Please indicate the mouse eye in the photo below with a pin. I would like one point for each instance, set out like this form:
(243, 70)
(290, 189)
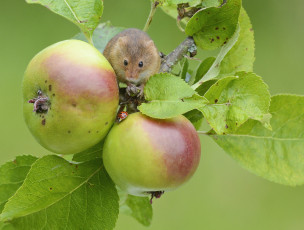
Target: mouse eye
(140, 64)
(125, 62)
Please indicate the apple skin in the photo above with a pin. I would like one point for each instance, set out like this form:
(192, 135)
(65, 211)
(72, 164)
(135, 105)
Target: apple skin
(144, 155)
(82, 90)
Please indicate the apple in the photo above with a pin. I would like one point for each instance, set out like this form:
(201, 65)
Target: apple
(70, 97)
(146, 156)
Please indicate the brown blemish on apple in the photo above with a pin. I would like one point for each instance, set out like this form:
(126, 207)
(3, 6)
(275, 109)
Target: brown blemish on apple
(43, 122)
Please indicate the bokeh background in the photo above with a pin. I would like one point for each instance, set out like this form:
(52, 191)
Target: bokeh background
(221, 195)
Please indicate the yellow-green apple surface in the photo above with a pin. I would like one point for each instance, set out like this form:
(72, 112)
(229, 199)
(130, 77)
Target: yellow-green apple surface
(146, 156)
(70, 97)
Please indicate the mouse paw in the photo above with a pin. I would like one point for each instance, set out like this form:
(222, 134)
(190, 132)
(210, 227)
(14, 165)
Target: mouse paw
(141, 92)
(132, 90)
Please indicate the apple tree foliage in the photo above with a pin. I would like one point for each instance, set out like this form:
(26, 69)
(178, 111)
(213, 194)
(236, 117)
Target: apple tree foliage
(263, 133)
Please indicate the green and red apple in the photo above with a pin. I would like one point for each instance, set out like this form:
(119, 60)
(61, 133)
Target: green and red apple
(70, 97)
(145, 156)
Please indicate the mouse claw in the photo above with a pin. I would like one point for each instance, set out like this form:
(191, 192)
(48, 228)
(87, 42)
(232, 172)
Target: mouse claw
(132, 90)
(141, 92)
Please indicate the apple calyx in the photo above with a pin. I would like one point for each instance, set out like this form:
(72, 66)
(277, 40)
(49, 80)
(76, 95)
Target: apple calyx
(41, 103)
(156, 194)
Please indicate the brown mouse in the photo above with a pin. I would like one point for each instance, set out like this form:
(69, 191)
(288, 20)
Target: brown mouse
(133, 56)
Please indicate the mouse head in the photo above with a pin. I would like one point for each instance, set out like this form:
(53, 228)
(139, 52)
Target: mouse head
(137, 59)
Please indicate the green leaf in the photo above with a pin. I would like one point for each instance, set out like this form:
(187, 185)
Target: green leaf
(276, 155)
(235, 100)
(213, 27)
(85, 14)
(203, 88)
(59, 194)
(195, 117)
(169, 96)
(241, 55)
(6, 226)
(163, 109)
(214, 70)
(12, 175)
(165, 86)
(102, 35)
(139, 208)
(184, 69)
(202, 69)
(92, 153)
(170, 6)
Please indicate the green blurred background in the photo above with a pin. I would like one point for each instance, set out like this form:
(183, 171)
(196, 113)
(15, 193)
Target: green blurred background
(221, 195)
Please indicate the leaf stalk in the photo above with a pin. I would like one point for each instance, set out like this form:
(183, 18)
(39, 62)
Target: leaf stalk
(154, 5)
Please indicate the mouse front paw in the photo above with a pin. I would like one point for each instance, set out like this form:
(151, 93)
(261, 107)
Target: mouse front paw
(132, 90)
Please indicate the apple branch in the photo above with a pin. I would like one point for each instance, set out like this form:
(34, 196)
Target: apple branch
(188, 45)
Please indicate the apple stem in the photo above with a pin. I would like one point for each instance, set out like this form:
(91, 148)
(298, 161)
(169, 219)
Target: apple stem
(156, 194)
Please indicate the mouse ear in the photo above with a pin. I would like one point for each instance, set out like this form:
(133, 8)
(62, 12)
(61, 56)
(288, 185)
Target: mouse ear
(150, 43)
(122, 40)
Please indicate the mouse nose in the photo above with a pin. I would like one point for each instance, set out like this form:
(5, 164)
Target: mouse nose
(131, 75)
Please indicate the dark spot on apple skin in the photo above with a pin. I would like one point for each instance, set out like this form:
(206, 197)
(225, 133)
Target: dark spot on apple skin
(45, 81)
(97, 131)
(226, 126)
(54, 94)
(216, 28)
(50, 87)
(224, 43)
(76, 166)
(74, 104)
(224, 28)
(43, 122)
(216, 100)
(69, 131)
(89, 131)
(218, 37)
(42, 116)
(106, 123)
(51, 189)
(212, 40)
